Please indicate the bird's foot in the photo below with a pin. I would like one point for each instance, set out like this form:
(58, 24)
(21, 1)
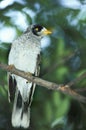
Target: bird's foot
(11, 66)
(29, 74)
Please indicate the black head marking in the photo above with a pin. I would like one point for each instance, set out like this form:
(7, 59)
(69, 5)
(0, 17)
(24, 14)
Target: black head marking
(36, 29)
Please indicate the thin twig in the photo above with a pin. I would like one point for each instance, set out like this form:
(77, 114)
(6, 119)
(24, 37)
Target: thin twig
(78, 79)
(55, 64)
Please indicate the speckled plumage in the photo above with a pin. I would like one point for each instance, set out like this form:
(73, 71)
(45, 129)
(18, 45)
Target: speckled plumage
(24, 55)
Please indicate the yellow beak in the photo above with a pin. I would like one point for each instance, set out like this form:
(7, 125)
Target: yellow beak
(46, 32)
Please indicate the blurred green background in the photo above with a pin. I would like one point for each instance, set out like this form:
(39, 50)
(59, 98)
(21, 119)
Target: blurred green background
(63, 59)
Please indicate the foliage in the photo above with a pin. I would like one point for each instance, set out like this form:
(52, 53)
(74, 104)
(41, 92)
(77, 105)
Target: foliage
(49, 110)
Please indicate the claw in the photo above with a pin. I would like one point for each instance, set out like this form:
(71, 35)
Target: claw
(11, 66)
(29, 74)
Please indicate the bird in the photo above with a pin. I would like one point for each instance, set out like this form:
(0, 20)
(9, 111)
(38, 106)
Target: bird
(24, 55)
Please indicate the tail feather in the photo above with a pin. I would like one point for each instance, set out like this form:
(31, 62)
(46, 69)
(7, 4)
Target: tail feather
(25, 119)
(17, 110)
(21, 112)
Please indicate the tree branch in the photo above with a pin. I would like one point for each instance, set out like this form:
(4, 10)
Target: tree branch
(49, 85)
(77, 79)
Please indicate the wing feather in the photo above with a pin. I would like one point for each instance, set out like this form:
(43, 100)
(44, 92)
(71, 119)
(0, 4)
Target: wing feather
(12, 87)
(37, 71)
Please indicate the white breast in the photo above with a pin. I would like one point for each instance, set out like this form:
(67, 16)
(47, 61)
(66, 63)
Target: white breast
(24, 57)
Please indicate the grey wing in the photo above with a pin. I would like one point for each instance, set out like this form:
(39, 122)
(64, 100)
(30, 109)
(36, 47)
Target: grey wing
(37, 72)
(11, 87)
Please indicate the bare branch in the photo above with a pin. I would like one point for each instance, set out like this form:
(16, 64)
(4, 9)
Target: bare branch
(49, 85)
(77, 79)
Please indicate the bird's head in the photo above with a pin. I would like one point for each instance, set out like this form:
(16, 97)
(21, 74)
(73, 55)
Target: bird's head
(39, 30)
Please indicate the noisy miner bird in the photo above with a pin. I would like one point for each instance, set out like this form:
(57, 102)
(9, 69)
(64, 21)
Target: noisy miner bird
(25, 56)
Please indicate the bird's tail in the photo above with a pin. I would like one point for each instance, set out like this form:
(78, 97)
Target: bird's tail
(21, 112)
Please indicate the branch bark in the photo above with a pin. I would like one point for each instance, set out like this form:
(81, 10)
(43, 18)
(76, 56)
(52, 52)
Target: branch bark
(49, 85)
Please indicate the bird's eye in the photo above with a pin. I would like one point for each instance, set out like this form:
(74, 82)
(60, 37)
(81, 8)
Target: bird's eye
(36, 29)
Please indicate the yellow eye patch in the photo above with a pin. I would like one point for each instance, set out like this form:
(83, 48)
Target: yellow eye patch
(36, 29)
